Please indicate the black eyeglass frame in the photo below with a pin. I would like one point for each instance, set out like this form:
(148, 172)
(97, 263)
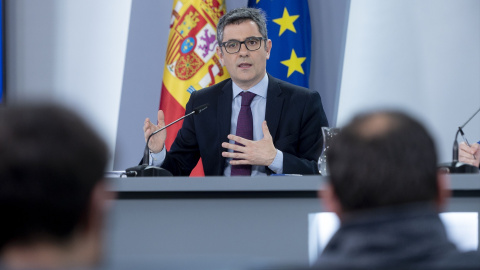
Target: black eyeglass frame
(245, 44)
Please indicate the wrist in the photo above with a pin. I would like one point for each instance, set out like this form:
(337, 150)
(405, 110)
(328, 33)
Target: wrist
(154, 151)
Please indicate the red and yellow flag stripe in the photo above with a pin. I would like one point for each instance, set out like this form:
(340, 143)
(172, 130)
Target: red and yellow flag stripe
(191, 62)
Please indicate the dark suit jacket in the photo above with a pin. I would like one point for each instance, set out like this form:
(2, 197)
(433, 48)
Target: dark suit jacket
(294, 117)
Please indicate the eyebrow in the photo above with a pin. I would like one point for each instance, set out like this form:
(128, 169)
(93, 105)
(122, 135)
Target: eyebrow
(243, 40)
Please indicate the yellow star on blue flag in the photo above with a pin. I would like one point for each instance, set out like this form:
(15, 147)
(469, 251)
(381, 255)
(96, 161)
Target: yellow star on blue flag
(288, 26)
(294, 63)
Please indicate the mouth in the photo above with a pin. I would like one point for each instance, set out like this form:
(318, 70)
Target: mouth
(244, 65)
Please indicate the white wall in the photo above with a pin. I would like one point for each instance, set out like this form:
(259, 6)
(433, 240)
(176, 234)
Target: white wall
(419, 56)
(72, 52)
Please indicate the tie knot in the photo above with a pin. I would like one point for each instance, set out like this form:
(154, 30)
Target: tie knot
(247, 98)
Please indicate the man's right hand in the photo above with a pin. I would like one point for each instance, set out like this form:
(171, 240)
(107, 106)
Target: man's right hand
(157, 142)
(469, 155)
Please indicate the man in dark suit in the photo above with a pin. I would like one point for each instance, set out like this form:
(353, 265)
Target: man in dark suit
(286, 119)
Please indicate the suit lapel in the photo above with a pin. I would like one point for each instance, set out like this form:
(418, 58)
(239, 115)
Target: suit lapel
(274, 107)
(224, 113)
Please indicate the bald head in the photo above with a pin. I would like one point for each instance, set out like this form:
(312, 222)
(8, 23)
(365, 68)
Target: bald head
(382, 158)
(376, 125)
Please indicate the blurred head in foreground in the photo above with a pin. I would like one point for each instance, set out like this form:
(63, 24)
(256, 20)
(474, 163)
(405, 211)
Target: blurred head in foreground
(52, 193)
(384, 187)
(382, 159)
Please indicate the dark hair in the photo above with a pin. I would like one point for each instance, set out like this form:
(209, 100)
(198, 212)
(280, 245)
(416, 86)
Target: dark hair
(380, 159)
(50, 161)
(239, 15)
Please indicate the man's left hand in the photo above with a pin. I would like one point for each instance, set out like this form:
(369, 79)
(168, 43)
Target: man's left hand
(260, 152)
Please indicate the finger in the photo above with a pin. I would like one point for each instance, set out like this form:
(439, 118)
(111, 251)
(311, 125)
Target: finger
(239, 139)
(475, 147)
(464, 152)
(466, 149)
(239, 162)
(464, 155)
(234, 147)
(235, 155)
(146, 124)
(266, 131)
(469, 150)
(463, 147)
(161, 118)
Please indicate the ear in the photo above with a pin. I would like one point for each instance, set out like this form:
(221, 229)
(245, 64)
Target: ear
(444, 192)
(220, 55)
(101, 201)
(89, 237)
(330, 199)
(268, 47)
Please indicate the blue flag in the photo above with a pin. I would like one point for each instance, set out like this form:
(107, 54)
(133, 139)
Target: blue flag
(288, 25)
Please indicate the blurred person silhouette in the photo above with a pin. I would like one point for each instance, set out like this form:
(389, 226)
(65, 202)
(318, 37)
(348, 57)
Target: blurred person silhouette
(386, 191)
(53, 197)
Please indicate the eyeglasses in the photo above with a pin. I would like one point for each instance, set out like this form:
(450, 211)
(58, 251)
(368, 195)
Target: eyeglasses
(251, 43)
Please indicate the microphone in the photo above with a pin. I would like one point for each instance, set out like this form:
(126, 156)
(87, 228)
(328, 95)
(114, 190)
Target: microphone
(145, 169)
(455, 166)
(196, 110)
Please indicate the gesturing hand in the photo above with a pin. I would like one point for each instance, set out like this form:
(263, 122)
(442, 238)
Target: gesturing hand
(157, 142)
(469, 155)
(260, 152)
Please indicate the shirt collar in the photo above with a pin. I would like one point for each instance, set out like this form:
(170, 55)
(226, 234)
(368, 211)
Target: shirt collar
(260, 89)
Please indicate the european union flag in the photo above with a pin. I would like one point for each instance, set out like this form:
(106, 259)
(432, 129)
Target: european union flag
(288, 25)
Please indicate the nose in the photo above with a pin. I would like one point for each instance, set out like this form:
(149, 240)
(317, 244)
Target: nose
(243, 50)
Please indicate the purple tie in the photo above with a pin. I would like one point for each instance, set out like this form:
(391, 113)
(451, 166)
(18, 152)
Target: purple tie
(244, 130)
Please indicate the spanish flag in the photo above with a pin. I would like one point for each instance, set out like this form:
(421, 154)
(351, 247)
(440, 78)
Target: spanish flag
(191, 63)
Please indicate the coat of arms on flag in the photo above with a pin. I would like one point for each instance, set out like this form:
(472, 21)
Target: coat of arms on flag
(191, 62)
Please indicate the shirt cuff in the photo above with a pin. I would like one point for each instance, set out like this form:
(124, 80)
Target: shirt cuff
(158, 158)
(277, 164)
